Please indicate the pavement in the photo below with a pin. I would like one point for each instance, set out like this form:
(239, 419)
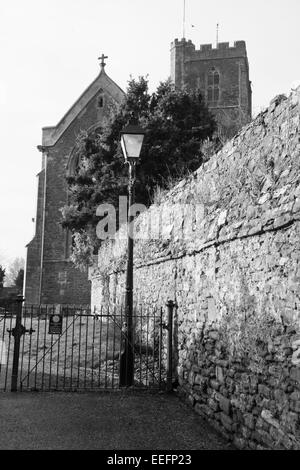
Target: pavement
(106, 421)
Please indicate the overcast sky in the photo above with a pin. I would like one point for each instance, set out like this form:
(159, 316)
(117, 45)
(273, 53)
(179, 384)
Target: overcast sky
(49, 51)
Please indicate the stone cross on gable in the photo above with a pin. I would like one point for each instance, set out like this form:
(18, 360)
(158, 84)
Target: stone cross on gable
(102, 58)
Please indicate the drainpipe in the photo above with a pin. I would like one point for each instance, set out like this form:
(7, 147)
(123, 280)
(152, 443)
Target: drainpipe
(45, 152)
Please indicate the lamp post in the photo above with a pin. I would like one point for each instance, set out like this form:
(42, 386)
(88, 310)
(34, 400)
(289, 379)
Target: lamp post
(132, 137)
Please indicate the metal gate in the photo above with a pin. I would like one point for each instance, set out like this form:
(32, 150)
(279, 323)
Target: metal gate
(56, 347)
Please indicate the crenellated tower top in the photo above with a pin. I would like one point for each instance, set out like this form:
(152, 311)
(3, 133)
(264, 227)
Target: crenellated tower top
(221, 73)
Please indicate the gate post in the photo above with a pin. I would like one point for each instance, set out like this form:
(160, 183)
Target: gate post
(170, 305)
(17, 332)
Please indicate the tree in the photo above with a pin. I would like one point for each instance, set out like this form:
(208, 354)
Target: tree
(13, 271)
(19, 279)
(176, 124)
(2, 276)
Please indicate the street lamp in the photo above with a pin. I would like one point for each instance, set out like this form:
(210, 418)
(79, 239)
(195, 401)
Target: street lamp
(132, 137)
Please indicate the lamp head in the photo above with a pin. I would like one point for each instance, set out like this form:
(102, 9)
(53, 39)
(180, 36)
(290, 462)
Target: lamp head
(132, 137)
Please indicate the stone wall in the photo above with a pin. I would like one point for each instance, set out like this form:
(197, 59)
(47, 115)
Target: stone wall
(224, 244)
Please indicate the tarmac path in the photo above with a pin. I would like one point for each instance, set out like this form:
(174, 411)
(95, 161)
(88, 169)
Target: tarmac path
(106, 421)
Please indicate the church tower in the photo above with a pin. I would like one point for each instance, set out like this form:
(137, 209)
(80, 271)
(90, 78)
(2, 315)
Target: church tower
(50, 275)
(221, 74)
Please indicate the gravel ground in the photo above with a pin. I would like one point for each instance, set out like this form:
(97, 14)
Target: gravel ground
(109, 421)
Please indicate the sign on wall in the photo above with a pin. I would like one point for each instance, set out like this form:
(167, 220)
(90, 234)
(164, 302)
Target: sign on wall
(55, 323)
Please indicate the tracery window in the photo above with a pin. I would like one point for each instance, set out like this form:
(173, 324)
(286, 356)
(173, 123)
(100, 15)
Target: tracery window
(213, 86)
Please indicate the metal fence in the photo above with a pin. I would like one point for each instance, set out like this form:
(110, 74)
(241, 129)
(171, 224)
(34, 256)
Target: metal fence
(55, 347)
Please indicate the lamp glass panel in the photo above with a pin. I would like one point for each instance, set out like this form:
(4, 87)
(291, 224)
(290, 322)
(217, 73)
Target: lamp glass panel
(132, 144)
(123, 148)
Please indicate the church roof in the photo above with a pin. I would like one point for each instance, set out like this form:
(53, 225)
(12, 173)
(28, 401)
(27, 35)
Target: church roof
(52, 134)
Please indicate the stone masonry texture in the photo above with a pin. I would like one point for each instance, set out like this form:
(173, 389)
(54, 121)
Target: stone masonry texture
(224, 245)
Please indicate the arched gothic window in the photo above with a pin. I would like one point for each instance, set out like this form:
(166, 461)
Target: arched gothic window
(74, 157)
(213, 86)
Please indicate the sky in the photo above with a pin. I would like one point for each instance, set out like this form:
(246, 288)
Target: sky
(49, 51)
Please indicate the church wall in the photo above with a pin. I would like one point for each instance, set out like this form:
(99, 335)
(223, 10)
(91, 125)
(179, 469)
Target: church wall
(61, 281)
(232, 107)
(229, 84)
(228, 253)
(63, 284)
(33, 261)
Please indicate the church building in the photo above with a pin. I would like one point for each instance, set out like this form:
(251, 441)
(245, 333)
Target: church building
(50, 275)
(221, 73)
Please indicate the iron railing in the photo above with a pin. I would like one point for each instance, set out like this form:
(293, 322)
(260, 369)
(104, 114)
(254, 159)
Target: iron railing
(84, 353)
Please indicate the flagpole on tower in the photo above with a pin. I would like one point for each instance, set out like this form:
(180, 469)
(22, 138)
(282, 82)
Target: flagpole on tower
(217, 39)
(183, 25)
